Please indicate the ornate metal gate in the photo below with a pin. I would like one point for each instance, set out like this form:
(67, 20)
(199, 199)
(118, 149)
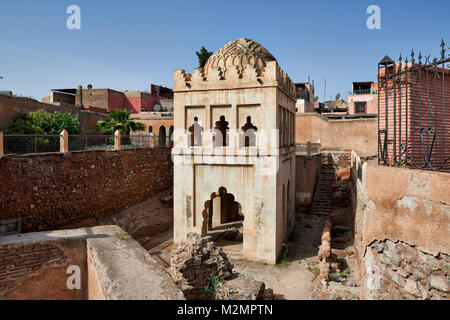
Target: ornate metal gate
(413, 128)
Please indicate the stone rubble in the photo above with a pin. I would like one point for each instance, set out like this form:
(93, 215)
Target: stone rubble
(195, 261)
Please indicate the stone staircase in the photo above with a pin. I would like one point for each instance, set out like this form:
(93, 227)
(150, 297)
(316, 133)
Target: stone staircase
(322, 204)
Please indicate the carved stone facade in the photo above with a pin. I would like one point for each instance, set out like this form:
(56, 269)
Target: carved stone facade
(234, 149)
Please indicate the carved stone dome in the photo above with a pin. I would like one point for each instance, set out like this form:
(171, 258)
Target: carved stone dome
(239, 53)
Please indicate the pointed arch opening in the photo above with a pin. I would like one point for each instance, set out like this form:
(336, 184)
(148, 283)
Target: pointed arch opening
(249, 133)
(223, 219)
(195, 132)
(220, 138)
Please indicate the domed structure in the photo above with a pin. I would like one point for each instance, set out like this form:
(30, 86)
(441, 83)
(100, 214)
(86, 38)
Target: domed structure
(239, 53)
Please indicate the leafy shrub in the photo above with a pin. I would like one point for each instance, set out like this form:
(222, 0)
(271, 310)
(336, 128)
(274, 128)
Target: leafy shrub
(42, 122)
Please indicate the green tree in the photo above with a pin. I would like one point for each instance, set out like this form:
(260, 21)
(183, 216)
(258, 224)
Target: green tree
(42, 122)
(203, 56)
(119, 120)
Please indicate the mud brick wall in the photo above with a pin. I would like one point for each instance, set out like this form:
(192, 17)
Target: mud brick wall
(48, 191)
(38, 270)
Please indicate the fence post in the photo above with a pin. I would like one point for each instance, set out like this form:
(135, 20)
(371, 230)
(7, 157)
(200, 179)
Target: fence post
(64, 141)
(152, 140)
(1, 144)
(117, 140)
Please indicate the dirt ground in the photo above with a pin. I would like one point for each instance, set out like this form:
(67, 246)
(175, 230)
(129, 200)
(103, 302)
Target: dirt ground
(292, 279)
(151, 224)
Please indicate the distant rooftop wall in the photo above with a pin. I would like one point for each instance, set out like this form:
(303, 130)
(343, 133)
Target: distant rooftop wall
(359, 135)
(11, 108)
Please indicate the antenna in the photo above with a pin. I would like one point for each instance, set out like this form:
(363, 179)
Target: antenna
(325, 90)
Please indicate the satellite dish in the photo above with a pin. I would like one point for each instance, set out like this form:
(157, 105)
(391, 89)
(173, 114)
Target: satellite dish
(157, 107)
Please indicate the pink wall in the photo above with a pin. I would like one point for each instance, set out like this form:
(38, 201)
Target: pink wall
(116, 101)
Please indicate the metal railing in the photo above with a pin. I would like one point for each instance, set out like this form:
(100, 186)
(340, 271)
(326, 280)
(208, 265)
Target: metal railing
(307, 148)
(364, 91)
(413, 128)
(91, 142)
(22, 143)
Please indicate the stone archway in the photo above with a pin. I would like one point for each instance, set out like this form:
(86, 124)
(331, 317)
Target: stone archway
(223, 218)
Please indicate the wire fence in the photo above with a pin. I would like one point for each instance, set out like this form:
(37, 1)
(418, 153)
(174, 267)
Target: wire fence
(21, 143)
(90, 142)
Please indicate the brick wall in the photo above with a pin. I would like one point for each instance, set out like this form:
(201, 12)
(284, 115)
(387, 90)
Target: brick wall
(37, 268)
(51, 190)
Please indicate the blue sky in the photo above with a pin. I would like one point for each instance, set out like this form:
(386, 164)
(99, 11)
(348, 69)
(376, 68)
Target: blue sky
(126, 45)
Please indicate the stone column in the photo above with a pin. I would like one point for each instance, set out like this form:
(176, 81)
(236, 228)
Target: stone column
(117, 140)
(152, 140)
(64, 141)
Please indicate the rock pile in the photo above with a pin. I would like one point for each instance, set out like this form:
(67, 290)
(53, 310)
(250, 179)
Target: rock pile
(193, 262)
(202, 271)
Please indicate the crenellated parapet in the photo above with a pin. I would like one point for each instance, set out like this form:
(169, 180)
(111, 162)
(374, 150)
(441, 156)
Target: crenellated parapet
(234, 77)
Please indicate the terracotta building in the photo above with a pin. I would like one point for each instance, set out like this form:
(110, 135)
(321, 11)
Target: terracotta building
(363, 98)
(104, 100)
(234, 149)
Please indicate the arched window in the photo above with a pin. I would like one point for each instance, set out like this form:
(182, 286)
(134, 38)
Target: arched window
(249, 133)
(220, 138)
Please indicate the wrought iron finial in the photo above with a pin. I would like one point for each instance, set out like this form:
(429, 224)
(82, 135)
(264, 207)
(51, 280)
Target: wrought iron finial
(400, 58)
(412, 56)
(420, 57)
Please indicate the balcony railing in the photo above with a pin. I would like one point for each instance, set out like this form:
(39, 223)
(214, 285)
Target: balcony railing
(364, 91)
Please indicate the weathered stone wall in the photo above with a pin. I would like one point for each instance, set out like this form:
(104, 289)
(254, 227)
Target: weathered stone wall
(307, 172)
(406, 272)
(401, 231)
(48, 191)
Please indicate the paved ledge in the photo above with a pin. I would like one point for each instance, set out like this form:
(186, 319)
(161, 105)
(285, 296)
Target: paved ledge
(123, 270)
(43, 236)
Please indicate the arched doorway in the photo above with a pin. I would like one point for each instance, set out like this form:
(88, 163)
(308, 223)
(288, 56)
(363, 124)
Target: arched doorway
(162, 136)
(223, 219)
